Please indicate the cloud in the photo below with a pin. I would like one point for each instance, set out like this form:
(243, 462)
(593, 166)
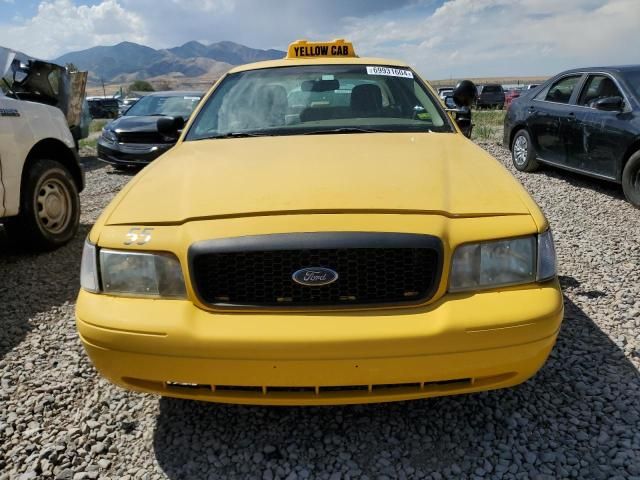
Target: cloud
(59, 26)
(451, 38)
(62, 25)
(505, 37)
(251, 22)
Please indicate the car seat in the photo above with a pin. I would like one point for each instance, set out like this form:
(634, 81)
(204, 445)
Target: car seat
(366, 100)
(271, 105)
(607, 88)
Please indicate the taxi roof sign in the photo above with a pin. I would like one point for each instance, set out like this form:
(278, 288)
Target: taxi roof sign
(335, 48)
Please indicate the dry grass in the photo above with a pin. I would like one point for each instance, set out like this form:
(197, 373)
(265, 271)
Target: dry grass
(97, 125)
(488, 125)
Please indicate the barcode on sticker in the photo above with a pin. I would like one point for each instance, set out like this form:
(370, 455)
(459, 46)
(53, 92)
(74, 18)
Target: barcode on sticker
(390, 72)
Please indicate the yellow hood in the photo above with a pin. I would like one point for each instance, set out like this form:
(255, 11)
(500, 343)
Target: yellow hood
(380, 172)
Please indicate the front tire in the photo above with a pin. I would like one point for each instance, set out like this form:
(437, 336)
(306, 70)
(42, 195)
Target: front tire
(631, 180)
(523, 154)
(49, 207)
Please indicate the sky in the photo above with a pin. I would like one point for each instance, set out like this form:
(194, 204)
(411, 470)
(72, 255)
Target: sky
(441, 38)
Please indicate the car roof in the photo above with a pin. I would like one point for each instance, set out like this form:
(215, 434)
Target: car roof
(612, 68)
(293, 62)
(175, 93)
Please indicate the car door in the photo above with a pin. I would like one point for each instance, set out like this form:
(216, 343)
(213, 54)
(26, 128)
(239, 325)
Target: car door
(600, 138)
(547, 118)
(7, 116)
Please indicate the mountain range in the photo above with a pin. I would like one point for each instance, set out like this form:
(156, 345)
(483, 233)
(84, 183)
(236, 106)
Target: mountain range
(128, 61)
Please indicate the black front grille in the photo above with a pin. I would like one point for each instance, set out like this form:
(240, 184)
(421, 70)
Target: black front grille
(141, 137)
(373, 268)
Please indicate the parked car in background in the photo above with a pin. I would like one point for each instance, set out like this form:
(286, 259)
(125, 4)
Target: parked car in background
(134, 139)
(586, 120)
(510, 96)
(444, 92)
(41, 121)
(531, 86)
(103, 107)
(126, 104)
(490, 96)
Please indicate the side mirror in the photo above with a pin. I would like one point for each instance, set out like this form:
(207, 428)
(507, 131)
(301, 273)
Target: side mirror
(449, 102)
(170, 126)
(463, 120)
(609, 104)
(462, 115)
(465, 93)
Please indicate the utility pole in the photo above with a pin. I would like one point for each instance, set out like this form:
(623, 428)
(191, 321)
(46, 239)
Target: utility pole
(104, 93)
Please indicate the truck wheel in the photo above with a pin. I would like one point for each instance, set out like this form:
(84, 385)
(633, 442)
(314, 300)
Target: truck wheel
(49, 207)
(631, 179)
(523, 154)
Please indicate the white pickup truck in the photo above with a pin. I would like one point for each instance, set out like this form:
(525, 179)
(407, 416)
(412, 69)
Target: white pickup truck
(40, 174)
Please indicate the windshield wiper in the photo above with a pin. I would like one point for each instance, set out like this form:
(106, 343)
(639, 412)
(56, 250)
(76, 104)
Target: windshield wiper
(346, 130)
(235, 135)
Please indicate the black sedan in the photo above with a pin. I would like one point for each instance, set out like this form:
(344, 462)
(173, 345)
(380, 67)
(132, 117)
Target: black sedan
(586, 120)
(133, 139)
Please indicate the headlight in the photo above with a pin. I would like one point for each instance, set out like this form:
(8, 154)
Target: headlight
(141, 274)
(129, 273)
(492, 264)
(547, 268)
(89, 268)
(109, 136)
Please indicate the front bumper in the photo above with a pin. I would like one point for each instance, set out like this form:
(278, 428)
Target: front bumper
(462, 343)
(130, 154)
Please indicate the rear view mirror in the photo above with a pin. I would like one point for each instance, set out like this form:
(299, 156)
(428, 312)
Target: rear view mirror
(609, 104)
(465, 93)
(320, 85)
(170, 126)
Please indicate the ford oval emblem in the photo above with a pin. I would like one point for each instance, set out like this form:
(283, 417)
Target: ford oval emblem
(315, 276)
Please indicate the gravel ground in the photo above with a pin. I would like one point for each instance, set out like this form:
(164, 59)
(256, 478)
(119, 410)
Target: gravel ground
(578, 418)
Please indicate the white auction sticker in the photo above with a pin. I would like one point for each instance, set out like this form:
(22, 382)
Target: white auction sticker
(389, 72)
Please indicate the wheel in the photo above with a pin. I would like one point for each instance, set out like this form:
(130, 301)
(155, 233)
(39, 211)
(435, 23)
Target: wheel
(49, 207)
(631, 179)
(523, 154)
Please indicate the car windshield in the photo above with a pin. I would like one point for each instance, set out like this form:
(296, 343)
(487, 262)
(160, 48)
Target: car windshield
(632, 78)
(316, 99)
(170, 105)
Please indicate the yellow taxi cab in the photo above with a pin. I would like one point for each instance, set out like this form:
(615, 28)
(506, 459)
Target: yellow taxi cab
(322, 233)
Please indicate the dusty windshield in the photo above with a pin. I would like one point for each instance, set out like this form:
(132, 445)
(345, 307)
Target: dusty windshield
(319, 99)
(171, 105)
